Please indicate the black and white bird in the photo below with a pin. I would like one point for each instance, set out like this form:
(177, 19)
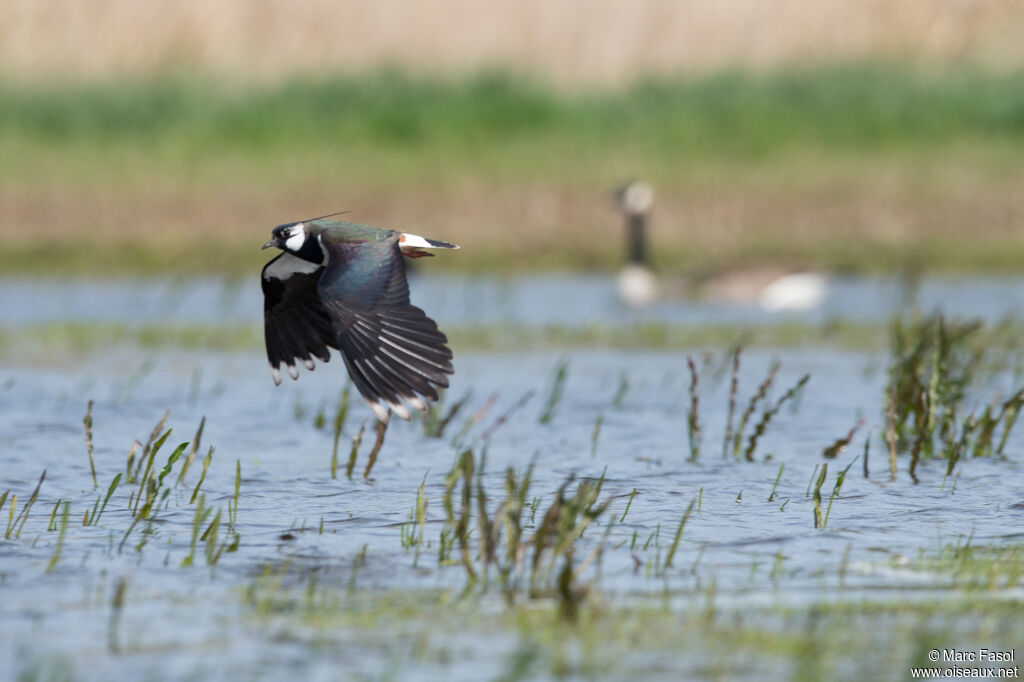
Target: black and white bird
(342, 285)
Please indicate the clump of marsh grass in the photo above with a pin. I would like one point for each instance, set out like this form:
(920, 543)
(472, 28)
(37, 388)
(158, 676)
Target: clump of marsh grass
(821, 518)
(769, 413)
(759, 394)
(153, 490)
(734, 436)
(736, 431)
(935, 366)
(148, 486)
(485, 538)
(213, 547)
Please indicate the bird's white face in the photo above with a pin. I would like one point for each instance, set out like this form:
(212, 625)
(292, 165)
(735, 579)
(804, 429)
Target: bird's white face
(293, 236)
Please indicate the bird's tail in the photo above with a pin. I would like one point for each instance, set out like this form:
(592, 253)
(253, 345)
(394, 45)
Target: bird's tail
(412, 245)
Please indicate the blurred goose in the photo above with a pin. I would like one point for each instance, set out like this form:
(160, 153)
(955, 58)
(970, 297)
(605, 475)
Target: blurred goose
(637, 283)
(342, 285)
(773, 289)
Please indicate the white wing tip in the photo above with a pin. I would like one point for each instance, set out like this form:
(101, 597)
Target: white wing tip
(275, 374)
(417, 402)
(308, 362)
(400, 409)
(380, 411)
(293, 372)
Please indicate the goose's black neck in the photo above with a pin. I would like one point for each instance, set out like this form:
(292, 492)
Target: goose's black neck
(635, 230)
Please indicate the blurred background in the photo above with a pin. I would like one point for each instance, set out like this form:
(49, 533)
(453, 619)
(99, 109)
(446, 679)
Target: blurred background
(853, 135)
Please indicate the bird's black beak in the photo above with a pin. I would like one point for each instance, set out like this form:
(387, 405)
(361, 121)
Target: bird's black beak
(272, 242)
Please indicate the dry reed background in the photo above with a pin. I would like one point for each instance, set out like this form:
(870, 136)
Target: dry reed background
(570, 41)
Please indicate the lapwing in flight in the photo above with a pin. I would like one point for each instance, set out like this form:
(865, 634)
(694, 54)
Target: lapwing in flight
(342, 285)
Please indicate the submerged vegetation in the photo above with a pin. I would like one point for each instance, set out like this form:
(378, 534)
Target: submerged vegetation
(152, 494)
(595, 554)
(932, 402)
(525, 563)
(703, 639)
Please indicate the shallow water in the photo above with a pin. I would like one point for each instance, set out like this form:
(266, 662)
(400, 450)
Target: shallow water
(755, 551)
(481, 300)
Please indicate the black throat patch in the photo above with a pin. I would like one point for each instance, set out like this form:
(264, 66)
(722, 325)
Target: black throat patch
(311, 250)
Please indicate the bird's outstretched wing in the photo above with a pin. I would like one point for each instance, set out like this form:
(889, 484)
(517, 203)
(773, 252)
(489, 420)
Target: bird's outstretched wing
(393, 351)
(295, 324)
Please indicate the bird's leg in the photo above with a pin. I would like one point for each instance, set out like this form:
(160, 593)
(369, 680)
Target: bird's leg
(382, 427)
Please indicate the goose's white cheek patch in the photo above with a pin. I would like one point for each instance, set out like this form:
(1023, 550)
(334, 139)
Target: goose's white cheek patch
(295, 242)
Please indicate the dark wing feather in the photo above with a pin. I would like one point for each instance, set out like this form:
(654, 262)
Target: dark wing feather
(295, 324)
(393, 351)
